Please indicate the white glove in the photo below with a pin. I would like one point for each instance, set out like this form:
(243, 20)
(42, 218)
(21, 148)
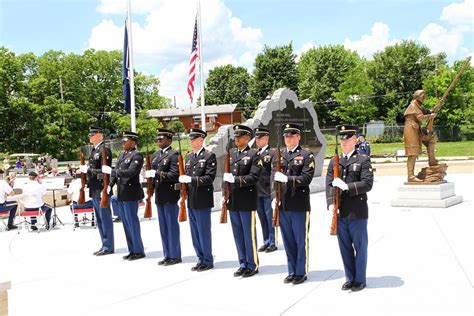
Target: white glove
(331, 208)
(223, 201)
(337, 182)
(82, 169)
(150, 173)
(109, 189)
(184, 179)
(229, 177)
(106, 169)
(274, 204)
(280, 177)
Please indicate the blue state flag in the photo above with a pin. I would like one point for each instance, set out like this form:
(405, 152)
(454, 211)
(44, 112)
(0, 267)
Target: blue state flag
(126, 72)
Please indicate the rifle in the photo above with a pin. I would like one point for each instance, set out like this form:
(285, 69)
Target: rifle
(428, 129)
(278, 187)
(82, 194)
(226, 185)
(333, 230)
(182, 217)
(149, 187)
(105, 196)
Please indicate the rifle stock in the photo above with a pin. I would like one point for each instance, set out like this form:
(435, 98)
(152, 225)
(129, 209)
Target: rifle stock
(182, 216)
(226, 185)
(105, 196)
(428, 130)
(82, 194)
(336, 174)
(149, 188)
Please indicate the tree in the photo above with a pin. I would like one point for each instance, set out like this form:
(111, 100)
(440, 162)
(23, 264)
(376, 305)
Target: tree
(274, 68)
(396, 72)
(176, 126)
(36, 116)
(354, 98)
(227, 85)
(320, 72)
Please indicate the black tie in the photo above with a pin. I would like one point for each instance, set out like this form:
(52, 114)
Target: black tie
(290, 152)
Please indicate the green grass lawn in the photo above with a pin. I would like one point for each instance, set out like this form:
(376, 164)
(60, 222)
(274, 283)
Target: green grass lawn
(445, 149)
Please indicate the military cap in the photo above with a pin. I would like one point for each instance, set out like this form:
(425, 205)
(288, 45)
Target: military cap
(33, 174)
(261, 132)
(163, 133)
(196, 133)
(129, 136)
(346, 131)
(95, 129)
(291, 129)
(241, 130)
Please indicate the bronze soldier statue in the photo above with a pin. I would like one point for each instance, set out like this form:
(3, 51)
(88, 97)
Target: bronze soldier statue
(413, 136)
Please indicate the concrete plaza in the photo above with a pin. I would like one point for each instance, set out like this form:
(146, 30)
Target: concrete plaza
(421, 262)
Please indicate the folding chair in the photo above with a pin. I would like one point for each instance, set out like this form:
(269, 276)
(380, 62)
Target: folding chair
(75, 210)
(28, 214)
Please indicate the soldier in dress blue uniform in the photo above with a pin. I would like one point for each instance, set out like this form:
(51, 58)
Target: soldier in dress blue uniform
(356, 179)
(362, 146)
(297, 172)
(200, 169)
(164, 170)
(264, 202)
(126, 176)
(95, 175)
(245, 167)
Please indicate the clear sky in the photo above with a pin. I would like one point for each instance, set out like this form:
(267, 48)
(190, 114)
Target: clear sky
(234, 31)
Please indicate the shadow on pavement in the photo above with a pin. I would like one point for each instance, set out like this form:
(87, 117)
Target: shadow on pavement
(386, 281)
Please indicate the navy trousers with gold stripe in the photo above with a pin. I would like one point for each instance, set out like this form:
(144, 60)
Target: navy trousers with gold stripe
(243, 228)
(294, 226)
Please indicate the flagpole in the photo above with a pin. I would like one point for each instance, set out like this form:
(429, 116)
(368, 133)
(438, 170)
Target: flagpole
(203, 103)
(131, 74)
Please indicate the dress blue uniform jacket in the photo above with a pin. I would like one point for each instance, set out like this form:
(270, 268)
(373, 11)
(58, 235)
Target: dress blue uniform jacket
(202, 170)
(127, 176)
(166, 177)
(94, 172)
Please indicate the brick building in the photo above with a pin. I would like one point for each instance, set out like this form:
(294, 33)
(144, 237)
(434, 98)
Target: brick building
(216, 115)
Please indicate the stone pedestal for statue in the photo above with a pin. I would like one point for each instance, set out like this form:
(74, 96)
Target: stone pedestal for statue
(424, 194)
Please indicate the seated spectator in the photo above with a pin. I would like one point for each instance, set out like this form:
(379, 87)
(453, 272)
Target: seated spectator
(73, 191)
(35, 190)
(7, 206)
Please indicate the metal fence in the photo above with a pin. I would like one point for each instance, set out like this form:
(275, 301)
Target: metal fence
(380, 132)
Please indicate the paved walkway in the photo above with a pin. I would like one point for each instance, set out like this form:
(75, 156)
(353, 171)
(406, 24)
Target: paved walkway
(420, 263)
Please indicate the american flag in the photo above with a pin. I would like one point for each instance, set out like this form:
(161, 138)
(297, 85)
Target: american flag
(192, 62)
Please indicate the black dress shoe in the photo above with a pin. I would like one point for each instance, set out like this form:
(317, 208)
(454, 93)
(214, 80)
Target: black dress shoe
(171, 262)
(263, 248)
(346, 286)
(298, 279)
(289, 279)
(96, 252)
(248, 273)
(357, 286)
(136, 256)
(196, 267)
(117, 220)
(204, 267)
(127, 256)
(162, 262)
(239, 272)
(34, 228)
(104, 253)
(10, 227)
(271, 248)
